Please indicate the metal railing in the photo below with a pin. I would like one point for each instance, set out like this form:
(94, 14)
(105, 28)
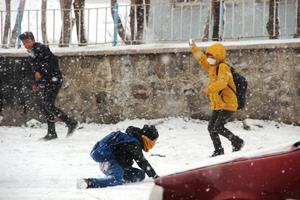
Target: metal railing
(167, 22)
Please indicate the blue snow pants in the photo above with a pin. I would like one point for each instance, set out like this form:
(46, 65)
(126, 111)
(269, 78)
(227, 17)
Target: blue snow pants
(116, 175)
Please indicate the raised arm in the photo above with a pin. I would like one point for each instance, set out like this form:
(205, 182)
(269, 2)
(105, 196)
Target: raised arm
(199, 55)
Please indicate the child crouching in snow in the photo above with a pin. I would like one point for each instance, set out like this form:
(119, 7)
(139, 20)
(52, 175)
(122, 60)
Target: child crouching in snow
(116, 154)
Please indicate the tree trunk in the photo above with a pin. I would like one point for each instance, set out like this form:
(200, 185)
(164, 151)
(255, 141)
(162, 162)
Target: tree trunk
(298, 20)
(19, 17)
(132, 19)
(66, 28)
(206, 29)
(216, 19)
(79, 18)
(143, 9)
(138, 10)
(148, 4)
(6, 24)
(121, 29)
(44, 22)
(273, 23)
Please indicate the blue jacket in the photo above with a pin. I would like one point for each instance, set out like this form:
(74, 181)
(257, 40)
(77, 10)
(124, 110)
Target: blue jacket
(125, 149)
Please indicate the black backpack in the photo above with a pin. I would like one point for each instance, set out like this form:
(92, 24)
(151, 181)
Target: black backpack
(240, 84)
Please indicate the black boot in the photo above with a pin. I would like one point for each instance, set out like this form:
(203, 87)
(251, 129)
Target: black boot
(237, 144)
(51, 131)
(72, 125)
(50, 136)
(218, 152)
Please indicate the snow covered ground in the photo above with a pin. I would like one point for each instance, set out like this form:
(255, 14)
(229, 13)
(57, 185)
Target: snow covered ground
(32, 169)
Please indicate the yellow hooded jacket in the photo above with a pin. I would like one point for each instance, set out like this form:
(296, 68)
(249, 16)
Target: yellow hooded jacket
(227, 99)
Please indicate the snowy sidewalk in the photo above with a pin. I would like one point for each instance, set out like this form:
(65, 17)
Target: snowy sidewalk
(32, 169)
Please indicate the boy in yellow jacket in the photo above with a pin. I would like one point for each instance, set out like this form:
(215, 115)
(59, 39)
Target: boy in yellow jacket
(222, 98)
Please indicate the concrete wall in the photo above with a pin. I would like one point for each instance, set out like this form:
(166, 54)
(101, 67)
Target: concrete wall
(112, 84)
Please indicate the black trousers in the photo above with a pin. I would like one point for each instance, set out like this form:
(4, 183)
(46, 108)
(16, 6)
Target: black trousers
(216, 127)
(48, 106)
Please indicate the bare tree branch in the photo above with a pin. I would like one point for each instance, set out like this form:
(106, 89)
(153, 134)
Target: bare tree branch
(67, 24)
(6, 24)
(44, 22)
(216, 19)
(79, 18)
(298, 20)
(273, 23)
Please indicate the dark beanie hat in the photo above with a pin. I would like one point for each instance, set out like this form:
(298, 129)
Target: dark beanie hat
(133, 130)
(150, 131)
(26, 35)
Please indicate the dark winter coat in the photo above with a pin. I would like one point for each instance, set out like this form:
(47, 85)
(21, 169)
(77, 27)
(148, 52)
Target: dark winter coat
(42, 60)
(126, 153)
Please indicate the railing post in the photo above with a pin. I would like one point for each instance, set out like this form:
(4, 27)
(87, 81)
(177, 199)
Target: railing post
(19, 28)
(37, 25)
(1, 27)
(53, 27)
(105, 26)
(232, 19)
(116, 22)
(97, 10)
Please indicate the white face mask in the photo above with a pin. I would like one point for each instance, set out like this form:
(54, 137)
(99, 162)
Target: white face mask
(211, 61)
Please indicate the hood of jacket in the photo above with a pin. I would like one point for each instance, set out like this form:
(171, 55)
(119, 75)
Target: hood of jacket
(218, 51)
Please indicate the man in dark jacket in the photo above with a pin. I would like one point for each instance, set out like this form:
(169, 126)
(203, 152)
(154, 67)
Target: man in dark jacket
(125, 149)
(48, 77)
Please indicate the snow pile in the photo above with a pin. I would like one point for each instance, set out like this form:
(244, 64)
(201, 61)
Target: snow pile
(32, 169)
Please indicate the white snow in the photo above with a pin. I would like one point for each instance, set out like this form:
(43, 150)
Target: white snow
(37, 170)
(32, 169)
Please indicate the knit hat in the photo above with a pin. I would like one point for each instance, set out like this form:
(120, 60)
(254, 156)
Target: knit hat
(133, 130)
(26, 35)
(150, 131)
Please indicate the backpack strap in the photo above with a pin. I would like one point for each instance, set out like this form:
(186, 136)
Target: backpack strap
(120, 138)
(231, 70)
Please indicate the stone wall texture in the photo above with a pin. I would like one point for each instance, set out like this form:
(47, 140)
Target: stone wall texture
(107, 86)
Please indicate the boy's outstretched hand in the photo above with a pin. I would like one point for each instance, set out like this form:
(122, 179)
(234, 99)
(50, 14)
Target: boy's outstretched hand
(197, 53)
(192, 43)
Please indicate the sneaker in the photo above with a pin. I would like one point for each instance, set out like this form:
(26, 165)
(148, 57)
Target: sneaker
(72, 127)
(49, 136)
(238, 145)
(218, 152)
(82, 183)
